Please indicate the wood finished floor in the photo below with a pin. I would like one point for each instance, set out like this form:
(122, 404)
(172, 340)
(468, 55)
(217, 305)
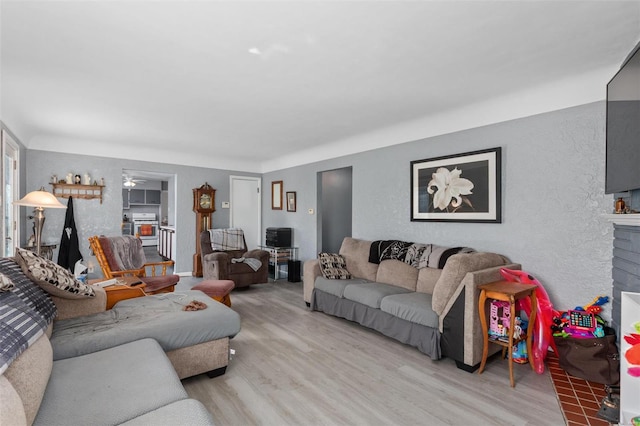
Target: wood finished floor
(297, 367)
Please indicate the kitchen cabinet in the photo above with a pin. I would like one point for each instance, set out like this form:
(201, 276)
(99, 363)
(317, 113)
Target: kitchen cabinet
(141, 197)
(152, 196)
(136, 196)
(127, 228)
(166, 242)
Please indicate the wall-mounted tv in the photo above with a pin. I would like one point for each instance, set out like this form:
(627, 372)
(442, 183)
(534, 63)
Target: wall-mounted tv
(623, 127)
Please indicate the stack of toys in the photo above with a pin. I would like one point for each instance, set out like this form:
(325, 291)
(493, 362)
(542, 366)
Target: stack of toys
(582, 322)
(499, 323)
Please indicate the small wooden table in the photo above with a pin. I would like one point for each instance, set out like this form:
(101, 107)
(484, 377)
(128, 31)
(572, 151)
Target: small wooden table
(507, 292)
(118, 292)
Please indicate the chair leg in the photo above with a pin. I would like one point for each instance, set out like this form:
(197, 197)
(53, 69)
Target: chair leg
(225, 300)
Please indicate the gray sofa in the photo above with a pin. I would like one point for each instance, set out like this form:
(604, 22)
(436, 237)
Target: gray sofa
(121, 366)
(434, 310)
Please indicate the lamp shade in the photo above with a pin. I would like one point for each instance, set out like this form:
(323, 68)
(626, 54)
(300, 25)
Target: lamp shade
(40, 198)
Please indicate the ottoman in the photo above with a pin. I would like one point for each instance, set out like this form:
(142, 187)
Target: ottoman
(217, 289)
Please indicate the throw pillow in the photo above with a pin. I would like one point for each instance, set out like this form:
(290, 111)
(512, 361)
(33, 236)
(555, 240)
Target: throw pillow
(5, 283)
(51, 277)
(333, 266)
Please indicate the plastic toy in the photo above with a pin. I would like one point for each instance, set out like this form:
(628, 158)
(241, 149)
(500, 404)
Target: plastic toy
(517, 329)
(499, 318)
(520, 352)
(599, 331)
(541, 329)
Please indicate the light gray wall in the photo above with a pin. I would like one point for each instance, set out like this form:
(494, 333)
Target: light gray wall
(553, 168)
(93, 218)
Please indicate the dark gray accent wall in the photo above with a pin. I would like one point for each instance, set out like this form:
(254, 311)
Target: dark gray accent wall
(335, 208)
(553, 172)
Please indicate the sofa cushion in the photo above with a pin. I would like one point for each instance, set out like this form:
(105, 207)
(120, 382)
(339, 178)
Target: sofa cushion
(333, 266)
(336, 287)
(397, 273)
(371, 294)
(111, 386)
(185, 412)
(159, 316)
(454, 271)
(412, 307)
(427, 279)
(356, 254)
(53, 278)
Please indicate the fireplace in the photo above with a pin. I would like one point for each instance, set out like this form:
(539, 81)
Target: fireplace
(626, 260)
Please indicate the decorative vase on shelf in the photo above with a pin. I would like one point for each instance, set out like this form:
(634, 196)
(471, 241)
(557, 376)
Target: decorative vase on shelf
(620, 205)
(86, 179)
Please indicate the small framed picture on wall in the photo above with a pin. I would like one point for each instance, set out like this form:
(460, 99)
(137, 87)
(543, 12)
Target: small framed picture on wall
(276, 195)
(291, 201)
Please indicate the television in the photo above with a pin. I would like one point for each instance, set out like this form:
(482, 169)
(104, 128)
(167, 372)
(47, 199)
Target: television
(623, 127)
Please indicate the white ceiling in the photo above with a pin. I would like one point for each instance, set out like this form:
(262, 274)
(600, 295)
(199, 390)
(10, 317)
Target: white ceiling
(264, 85)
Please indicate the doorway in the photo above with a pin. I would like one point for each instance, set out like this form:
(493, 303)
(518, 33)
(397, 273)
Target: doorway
(11, 191)
(245, 206)
(148, 197)
(335, 194)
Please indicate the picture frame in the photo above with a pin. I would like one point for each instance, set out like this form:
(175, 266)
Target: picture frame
(276, 195)
(476, 193)
(291, 201)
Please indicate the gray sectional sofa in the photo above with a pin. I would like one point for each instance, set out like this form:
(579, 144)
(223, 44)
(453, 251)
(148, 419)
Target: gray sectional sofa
(433, 309)
(121, 366)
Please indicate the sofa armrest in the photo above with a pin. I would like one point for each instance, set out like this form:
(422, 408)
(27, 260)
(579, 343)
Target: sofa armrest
(469, 292)
(70, 308)
(311, 271)
(261, 255)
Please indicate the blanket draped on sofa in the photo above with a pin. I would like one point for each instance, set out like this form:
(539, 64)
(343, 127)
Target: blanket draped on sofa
(417, 255)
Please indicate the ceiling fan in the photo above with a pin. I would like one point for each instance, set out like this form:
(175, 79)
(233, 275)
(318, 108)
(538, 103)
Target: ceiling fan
(130, 182)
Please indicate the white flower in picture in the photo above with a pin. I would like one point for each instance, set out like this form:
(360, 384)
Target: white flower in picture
(449, 188)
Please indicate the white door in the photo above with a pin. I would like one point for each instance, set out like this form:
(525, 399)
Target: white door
(245, 208)
(10, 153)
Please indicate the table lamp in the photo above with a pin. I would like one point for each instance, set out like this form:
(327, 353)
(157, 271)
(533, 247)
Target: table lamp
(40, 199)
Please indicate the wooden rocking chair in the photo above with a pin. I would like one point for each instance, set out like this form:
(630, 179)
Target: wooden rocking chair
(157, 282)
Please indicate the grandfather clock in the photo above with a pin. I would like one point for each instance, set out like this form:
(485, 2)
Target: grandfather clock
(203, 204)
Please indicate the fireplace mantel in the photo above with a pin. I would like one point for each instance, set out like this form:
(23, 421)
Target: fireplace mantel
(624, 219)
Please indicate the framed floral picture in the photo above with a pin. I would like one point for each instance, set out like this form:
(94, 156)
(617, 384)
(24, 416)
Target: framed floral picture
(458, 188)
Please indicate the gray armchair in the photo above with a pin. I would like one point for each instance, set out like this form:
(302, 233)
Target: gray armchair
(217, 265)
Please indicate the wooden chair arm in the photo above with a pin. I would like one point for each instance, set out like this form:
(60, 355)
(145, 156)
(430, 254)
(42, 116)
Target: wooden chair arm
(128, 273)
(165, 264)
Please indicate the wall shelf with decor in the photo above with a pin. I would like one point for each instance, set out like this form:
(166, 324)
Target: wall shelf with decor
(87, 192)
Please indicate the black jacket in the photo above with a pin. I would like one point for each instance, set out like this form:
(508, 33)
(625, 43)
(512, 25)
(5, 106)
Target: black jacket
(69, 247)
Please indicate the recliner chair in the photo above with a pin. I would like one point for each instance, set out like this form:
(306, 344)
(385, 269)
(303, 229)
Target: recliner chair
(218, 265)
